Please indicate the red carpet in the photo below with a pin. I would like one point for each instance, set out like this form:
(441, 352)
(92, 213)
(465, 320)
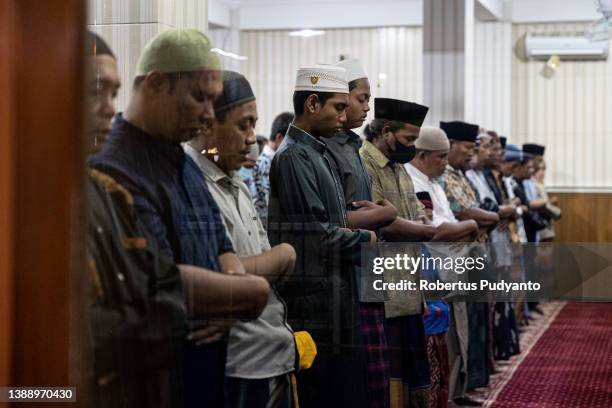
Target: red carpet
(569, 366)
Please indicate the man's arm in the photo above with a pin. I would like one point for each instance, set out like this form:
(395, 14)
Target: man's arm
(483, 218)
(455, 231)
(272, 265)
(371, 216)
(217, 295)
(537, 204)
(405, 230)
(230, 264)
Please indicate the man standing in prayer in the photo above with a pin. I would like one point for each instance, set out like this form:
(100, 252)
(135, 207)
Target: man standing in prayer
(138, 317)
(177, 79)
(390, 144)
(362, 213)
(307, 209)
(432, 147)
(261, 353)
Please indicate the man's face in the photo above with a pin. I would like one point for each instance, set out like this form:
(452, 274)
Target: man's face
(187, 104)
(436, 162)
(461, 154)
(233, 136)
(406, 135)
(498, 154)
(102, 89)
(508, 167)
(484, 150)
(328, 119)
(358, 106)
(524, 171)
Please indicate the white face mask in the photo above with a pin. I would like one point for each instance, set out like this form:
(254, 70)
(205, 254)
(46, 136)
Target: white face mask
(253, 152)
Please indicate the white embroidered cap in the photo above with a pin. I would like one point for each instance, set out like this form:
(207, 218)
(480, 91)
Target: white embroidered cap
(322, 78)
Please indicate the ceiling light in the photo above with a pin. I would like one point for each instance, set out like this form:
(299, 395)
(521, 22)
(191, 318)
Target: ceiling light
(229, 54)
(306, 33)
(382, 76)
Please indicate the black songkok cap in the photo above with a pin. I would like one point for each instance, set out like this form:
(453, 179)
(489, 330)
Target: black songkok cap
(534, 149)
(402, 111)
(97, 46)
(236, 91)
(464, 132)
(503, 140)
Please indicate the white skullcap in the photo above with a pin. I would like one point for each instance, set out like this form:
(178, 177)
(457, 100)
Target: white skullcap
(322, 78)
(354, 70)
(432, 139)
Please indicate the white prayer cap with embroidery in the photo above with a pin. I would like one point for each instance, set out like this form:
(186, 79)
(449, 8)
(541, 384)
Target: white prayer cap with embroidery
(322, 78)
(354, 70)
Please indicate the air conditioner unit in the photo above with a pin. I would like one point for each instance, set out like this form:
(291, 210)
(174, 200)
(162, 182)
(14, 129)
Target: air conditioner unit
(542, 47)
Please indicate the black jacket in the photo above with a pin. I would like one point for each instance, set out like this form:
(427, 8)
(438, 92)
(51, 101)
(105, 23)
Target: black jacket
(137, 314)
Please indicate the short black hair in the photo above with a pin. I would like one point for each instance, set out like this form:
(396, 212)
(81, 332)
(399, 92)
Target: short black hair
(281, 124)
(299, 99)
(375, 127)
(97, 46)
(353, 84)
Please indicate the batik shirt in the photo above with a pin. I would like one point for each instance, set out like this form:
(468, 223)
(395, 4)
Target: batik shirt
(458, 190)
(260, 187)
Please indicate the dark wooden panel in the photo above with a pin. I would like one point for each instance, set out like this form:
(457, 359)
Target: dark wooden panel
(587, 217)
(7, 36)
(48, 179)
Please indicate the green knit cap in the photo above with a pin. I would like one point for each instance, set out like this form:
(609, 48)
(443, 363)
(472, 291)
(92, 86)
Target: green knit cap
(181, 50)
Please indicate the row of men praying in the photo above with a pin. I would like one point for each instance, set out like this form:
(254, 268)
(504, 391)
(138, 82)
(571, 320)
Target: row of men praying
(208, 292)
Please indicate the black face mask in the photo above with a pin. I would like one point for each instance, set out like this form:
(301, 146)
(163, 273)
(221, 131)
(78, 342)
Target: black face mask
(402, 154)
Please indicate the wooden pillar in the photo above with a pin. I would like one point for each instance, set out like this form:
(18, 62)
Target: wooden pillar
(41, 179)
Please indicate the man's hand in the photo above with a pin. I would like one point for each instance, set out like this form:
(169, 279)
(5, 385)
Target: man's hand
(424, 219)
(365, 205)
(211, 331)
(506, 211)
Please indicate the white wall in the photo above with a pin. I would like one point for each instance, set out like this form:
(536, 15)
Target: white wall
(128, 26)
(571, 113)
(491, 100)
(279, 15)
(274, 58)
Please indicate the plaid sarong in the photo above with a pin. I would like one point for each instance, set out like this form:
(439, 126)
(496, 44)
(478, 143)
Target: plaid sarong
(377, 353)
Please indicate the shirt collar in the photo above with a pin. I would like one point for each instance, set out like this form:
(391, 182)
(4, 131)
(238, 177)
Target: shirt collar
(345, 137)
(418, 174)
(211, 170)
(340, 138)
(303, 137)
(379, 158)
(125, 132)
(451, 169)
